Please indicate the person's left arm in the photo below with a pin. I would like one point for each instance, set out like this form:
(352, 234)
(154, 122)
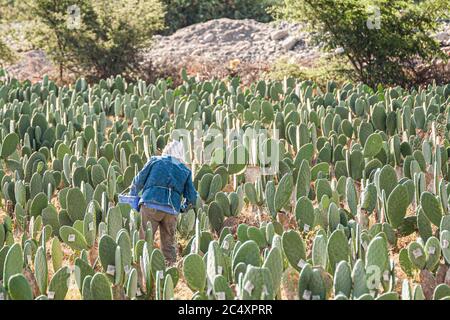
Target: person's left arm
(139, 181)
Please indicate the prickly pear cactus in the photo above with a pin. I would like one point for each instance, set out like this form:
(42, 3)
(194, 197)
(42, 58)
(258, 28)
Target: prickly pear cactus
(73, 238)
(216, 216)
(106, 251)
(294, 249)
(319, 251)
(194, 271)
(343, 279)
(373, 145)
(417, 256)
(337, 249)
(359, 279)
(304, 213)
(9, 145)
(168, 290)
(13, 263)
(257, 284)
(100, 288)
(445, 245)
(59, 284)
(311, 284)
(76, 204)
(397, 204)
(82, 270)
(247, 253)
(132, 284)
(221, 289)
(283, 192)
(56, 254)
(19, 288)
(274, 263)
(215, 261)
(41, 270)
(431, 207)
(433, 253)
(377, 262)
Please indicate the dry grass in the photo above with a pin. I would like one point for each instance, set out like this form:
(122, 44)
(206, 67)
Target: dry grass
(182, 291)
(205, 69)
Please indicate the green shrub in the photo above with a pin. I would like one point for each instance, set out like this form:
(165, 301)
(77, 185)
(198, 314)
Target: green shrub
(95, 37)
(6, 53)
(50, 30)
(384, 50)
(126, 27)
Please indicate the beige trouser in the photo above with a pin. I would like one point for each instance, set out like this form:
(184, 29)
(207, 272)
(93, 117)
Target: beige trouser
(167, 224)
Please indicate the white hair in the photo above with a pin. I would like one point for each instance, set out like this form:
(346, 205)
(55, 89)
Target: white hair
(174, 149)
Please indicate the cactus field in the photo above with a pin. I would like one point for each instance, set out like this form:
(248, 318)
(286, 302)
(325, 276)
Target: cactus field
(353, 204)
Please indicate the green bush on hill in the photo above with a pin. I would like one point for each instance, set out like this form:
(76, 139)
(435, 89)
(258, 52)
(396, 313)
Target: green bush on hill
(98, 38)
(383, 40)
(6, 54)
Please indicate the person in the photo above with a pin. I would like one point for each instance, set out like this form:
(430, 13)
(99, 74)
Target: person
(164, 180)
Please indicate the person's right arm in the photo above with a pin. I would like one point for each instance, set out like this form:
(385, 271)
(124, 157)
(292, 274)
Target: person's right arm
(139, 181)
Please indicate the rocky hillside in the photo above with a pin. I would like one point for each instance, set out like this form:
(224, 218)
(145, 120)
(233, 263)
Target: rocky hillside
(226, 39)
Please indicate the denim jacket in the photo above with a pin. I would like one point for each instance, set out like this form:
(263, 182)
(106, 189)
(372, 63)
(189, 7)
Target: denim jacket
(164, 180)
